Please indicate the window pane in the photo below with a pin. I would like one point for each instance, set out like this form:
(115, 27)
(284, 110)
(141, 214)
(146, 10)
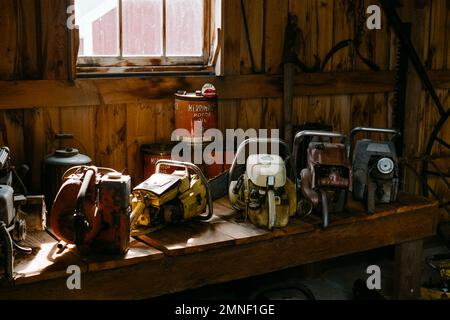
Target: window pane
(98, 22)
(142, 27)
(184, 27)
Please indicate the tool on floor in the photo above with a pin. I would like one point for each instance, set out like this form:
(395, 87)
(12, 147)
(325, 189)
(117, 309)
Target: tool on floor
(441, 264)
(265, 192)
(92, 210)
(170, 198)
(12, 226)
(375, 168)
(325, 182)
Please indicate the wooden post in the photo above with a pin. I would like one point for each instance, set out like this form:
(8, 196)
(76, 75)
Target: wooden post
(289, 71)
(231, 59)
(54, 40)
(412, 13)
(292, 38)
(408, 270)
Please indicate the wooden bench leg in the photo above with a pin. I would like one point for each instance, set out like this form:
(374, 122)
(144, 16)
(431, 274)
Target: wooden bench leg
(408, 270)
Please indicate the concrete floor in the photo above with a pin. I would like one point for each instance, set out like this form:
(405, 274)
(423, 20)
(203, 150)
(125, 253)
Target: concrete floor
(330, 280)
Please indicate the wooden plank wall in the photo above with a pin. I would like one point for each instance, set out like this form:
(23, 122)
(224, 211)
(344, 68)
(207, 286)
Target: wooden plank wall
(34, 45)
(437, 57)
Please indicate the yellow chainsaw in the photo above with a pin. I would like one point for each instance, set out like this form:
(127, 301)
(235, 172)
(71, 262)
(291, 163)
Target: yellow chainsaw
(260, 185)
(170, 198)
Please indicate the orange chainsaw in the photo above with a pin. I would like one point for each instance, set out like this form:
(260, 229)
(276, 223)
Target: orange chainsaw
(92, 210)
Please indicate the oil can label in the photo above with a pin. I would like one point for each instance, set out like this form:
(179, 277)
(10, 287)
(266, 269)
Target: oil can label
(188, 112)
(196, 108)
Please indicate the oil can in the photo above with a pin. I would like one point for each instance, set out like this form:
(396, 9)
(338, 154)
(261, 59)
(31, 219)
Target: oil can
(193, 107)
(152, 153)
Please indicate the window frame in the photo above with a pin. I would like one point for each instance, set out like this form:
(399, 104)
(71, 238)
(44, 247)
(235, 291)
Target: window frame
(130, 64)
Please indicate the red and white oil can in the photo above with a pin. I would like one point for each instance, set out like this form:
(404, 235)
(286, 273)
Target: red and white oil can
(199, 106)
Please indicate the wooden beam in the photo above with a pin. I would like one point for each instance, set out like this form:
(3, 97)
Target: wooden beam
(335, 83)
(47, 93)
(88, 92)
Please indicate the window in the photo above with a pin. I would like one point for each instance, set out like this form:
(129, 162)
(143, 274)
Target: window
(131, 34)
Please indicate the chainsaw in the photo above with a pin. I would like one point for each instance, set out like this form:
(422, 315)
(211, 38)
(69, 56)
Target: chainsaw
(92, 210)
(12, 226)
(264, 192)
(170, 198)
(375, 168)
(325, 182)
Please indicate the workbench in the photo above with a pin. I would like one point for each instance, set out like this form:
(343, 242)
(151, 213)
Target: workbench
(196, 254)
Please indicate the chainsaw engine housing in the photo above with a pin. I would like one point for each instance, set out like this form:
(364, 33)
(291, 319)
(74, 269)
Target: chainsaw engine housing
(326, 179)
(375, 163)
(328, 171)
(264, 192)
(12, 225)
(329, 165)
(7, 210)
(97, 218)
(375, 168)
(257, 188)
(170, 198)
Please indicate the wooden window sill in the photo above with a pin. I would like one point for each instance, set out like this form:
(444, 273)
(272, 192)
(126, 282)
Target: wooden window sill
(127, 72)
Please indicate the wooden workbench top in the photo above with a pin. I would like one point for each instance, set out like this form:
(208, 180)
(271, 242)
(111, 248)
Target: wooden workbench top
(228, 228)
(225, 235)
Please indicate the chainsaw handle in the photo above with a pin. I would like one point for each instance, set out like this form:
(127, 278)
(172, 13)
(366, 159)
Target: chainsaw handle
(80, 221)
(315, 133)
(78, 169)
(8, 251)
(242, 146)
(172, 163)
(88, 176)
(357, 130)
(196, 169)
(4, 156)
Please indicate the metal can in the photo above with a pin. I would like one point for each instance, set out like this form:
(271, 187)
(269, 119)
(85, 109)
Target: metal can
(193, 107)
(196, 151)
(152, 153)
(55, 166)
